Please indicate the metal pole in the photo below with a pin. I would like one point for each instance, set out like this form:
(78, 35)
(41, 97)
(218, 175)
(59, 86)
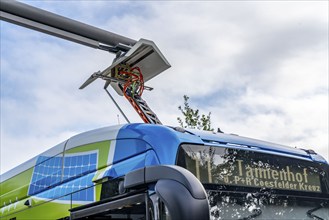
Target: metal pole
(116, 104)
(42, 17)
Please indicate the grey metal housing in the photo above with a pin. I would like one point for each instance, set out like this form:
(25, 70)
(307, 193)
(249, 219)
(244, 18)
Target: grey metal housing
(59, 26)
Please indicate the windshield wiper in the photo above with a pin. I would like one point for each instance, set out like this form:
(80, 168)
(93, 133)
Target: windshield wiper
(256, 212)
(310, 212)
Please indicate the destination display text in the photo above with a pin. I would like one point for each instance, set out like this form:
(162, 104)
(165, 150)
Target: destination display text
(286, 178)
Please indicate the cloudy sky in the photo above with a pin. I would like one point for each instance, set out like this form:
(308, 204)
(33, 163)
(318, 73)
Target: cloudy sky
(260, 68)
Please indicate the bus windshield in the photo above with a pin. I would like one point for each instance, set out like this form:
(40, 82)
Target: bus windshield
(244, 184)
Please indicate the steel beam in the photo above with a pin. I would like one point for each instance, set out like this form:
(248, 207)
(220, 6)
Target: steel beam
(59, 26)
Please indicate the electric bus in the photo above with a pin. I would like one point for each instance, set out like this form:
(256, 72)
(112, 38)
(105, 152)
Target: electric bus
(147, 171)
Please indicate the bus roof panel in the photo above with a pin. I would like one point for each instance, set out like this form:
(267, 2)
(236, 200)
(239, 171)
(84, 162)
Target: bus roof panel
(93, 136)
(249, 142)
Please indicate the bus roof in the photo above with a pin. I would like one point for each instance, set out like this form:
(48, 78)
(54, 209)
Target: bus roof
(233, 140)
(156, 134)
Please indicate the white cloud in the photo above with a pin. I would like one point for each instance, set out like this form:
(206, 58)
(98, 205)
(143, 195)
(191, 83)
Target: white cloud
(261, 68)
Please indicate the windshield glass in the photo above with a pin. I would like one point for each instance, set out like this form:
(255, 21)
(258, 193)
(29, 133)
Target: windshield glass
(265, 206)
(243, 184)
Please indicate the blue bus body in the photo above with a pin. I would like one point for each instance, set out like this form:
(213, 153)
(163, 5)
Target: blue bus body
(75, 171)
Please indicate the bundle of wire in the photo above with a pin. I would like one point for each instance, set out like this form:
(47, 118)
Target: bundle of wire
(134, 84)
